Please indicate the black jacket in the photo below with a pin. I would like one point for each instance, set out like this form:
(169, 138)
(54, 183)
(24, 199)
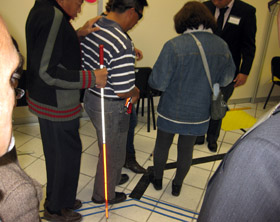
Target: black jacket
(53, 63)
(240, 37)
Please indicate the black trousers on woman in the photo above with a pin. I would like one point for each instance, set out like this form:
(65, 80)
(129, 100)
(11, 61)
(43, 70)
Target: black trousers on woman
(184, 154)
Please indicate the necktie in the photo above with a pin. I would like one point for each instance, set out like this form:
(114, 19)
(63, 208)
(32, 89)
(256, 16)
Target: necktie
(220, 20)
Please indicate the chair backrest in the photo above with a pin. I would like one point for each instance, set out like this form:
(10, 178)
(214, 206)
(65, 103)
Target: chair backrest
(275, 67)
(141, 79)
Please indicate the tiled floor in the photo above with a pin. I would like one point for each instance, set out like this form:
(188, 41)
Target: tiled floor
(154, 205)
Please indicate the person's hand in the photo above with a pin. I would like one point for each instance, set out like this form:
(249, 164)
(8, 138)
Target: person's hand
(136, 95)
(87, 27)
(240, 79)
(100, 77)
(139, 54)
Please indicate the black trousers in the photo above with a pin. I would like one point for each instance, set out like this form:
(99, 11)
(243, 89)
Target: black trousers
(185, 146)
(62, 148)
(215, 125)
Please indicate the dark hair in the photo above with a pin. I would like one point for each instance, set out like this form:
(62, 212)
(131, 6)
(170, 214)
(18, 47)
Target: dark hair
(192, 15)
(122, 5)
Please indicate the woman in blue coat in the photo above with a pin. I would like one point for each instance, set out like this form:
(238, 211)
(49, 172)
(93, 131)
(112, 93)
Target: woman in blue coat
(184, 107)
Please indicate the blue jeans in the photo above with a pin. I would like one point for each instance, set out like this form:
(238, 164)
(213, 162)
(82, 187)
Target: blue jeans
(116, 128)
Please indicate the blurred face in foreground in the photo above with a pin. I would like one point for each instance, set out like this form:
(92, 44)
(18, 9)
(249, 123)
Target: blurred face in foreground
(9, 61)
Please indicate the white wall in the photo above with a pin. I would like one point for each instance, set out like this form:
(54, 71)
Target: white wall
(154, 30)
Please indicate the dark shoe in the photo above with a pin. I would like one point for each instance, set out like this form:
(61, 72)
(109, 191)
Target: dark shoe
(199, 140)
(77, 205)
(212, 146)
(176, 189)
(120, 197)
(124, 179)
(66, 215)
(156, 182)
(134, 166)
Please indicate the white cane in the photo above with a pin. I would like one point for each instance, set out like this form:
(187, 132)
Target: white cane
(101, 61)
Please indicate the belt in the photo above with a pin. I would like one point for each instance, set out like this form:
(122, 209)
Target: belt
(109, 99)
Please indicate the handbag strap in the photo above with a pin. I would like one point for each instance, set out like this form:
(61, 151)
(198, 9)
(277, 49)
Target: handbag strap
(204, 60)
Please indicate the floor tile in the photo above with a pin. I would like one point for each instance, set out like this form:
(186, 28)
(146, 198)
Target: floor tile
(25, 160)
(37, 170)
(21, 138)
(32, 147)
(29, 129)
(88, 164)
(188, 199)
(194, 180)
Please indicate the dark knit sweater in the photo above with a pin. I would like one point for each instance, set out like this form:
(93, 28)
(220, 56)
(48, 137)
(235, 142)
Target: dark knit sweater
(53, 63)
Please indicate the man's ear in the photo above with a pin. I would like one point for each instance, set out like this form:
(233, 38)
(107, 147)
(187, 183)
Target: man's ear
(130, 11)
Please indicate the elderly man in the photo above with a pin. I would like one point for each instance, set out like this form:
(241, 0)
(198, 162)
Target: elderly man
(119, 58)
(54, 81)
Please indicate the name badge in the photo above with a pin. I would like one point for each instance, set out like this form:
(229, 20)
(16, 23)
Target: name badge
(234, 20)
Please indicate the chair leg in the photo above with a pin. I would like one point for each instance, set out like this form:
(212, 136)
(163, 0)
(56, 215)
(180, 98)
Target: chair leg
(137, 107)
(143, 106)
(148, 114)
(268, 96)
(153, 112)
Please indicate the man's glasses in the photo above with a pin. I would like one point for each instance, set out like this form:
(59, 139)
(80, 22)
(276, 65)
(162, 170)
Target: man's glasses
(140, 15)
(19, 93)
(16, 76)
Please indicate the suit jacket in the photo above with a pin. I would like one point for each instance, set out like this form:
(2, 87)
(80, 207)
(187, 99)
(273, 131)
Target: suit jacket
(239, 33)
(19, 194)
(246, 185)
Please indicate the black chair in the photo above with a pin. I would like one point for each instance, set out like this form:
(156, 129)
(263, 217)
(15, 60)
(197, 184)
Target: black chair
(141, 81)
(275, 71)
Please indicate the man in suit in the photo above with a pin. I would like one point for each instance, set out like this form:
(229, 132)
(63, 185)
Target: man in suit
(237, 26)
(245, 186)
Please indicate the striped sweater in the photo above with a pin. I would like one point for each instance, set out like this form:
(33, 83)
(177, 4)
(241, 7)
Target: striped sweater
(53, 63)
(119, 57)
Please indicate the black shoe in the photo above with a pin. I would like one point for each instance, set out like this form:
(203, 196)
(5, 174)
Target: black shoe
(124, 179)
(156, 182)
(134, 166)
(65, 215)
(77, 205)
(199, 140)
(120, 197)
(176, 189)
(212, 146)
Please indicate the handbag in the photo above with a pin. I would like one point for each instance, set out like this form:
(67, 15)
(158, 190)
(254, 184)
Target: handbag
(218, 105)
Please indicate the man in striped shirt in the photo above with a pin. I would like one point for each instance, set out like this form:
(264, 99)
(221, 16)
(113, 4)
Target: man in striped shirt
(119, 59)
